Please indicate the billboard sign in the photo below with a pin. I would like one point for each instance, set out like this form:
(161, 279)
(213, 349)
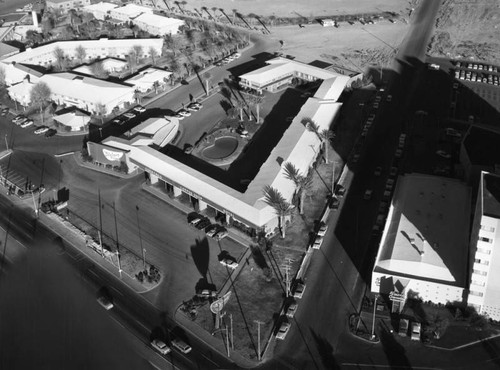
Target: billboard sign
(112, 155)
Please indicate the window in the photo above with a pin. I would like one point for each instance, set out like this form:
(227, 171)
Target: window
(478, 283)
(477, 294)
(487, 240)
(479, 272)
(488, 228)
(484, 250)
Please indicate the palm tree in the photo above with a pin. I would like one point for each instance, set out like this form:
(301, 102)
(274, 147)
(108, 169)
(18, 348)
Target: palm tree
(302, 183)
(273, 198)
(153, 55)
(324, 136)
(207, 76)
(256, 101)
(225, 15)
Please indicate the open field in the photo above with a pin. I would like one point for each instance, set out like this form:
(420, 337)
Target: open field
(290, 8)
(468, 29)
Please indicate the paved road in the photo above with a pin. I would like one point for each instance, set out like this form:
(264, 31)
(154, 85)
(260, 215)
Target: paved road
(319, 336)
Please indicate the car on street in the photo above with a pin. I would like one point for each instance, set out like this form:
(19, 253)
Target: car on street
(368, 194)
(339, 190)
(415, 331)
(317, 242)
(292, 308)
(27, 123)
(322, 229)
(389, 98)
(184, 112)
(139, 109)
(355, 158)
(221, 234)
(206, 293)
(195, 221)
(181, 345)
(203, 224)
(41, 130)
(160, 346)
(118, 121)
(129, 115)
(399, 153)
(452, 132)
(229, 263)
(188, 148)
(105, 302)
(51, 132)
(389, 184)
(193, 108)
(393, 172)
(443, 154)
(299, 290)
(375, 105)
(334, 203)
(5, 111)
(378, 171)
(283, 330)
(18, 118)
(237, 55)
(404, 324)
(179, 116)
(211, 230)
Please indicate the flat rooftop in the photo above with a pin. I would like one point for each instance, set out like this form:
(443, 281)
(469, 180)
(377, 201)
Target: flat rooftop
(426, 235)
(491, 195)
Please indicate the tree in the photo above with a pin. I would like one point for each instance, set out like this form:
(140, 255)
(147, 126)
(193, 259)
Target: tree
(207, 76)
(274, 199)
(324, 136)
(39, 94)
(100, 111)
(255, 101)
(80, 53)
(240, 105)
(99, 71)
(153, 55)
(60, 58)
(131, 61)
(138, 97)
(138, 51)
(302, 183)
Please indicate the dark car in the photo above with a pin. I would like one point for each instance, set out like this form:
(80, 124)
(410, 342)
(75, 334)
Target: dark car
(50, 132)
(203, 224)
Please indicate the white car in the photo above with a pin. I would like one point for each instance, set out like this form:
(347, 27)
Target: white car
(415, 331)
(221, 234)
(229, 263)
(237, 55)
(27, 123)
(214, 229)
(195, 221)
(317, 242)
(160, 346)
(283, 330)
(184, 113)
(41, 130)
(299, 290)
(290, 312)
(18, 119)
(140, 109)
(322, 229)
(181, 345)
(105, 302)
(129, 115)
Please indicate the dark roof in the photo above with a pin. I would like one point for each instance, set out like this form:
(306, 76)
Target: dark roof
(7, 49)
(491, 195)
(483, 147)
(34, 70)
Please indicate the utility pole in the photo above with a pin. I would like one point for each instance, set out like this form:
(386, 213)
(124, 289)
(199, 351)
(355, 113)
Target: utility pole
(227, 343)
(100, 221)
(287, 266)
(373, 321)
(232, 338)
(140, 237)
(333, 177)
(258, 334)
(6, 143)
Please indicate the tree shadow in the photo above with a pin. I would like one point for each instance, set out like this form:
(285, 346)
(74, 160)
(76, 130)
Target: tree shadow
(325, 351)
(258, 257)
(395, 352)
(201, 256)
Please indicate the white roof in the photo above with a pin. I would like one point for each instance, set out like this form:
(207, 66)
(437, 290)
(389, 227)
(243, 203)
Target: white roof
(22, 88)
(132, 10)
(331, 88)
(74, 119)
(87, 89)
(102, 6)
(159, 21)
(282, 67)
(148, 76)
(427, 231)
(109, 64)
(158, 130)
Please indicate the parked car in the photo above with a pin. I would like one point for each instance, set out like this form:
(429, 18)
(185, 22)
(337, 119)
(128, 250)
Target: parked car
(206, 293)
(221, 234)
(317, 242)
(237, 55)
(50, 132)
(322, 229)
(368, 194)
(41, 130)
(389, 98)
(403, 327)
(203, 224)
(292, 308)
(27, 123)
(129, 115)
(452, 132)
(105, 302)
(184, 112)
(443, 154)
(283, 330)
(340, 190)
(181, 345)
(195, 221)
(378, 171)
(415, 331)
(18, 118)
(299, 290)
(160, 346)
(140, 109)
(334, 203)
(229, 263)
(393, 172)
(211, 230)
(5, 111)
(355, 158)
(118, 121)
(193, 108)
(399, 153)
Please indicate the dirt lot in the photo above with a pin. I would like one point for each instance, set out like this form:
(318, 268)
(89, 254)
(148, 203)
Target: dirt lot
(468, 30)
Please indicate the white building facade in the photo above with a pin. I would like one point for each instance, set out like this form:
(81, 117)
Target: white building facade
(99, 10)
(66, 4)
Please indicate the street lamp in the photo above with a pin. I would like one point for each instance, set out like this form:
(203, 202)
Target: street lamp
(227, 338)
(119, 263)
(373, 321)
(100, 131)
